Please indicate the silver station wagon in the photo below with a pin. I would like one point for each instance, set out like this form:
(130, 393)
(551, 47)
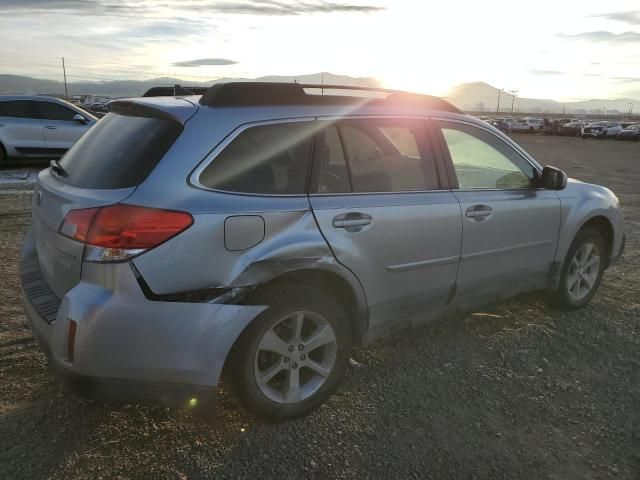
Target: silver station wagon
(265, 229)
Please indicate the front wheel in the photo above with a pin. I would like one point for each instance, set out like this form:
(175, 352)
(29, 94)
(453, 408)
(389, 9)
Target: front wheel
(582, 270)
(293, 356)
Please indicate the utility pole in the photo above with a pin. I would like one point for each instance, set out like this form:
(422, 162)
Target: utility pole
(513, 97)
(498, 106)
(64, 72)
(630, 110)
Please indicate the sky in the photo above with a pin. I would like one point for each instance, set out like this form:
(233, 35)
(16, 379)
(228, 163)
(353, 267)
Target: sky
(564, 50)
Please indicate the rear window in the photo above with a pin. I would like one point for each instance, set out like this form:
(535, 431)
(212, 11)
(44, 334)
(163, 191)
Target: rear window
(267, 159)
(119, 151)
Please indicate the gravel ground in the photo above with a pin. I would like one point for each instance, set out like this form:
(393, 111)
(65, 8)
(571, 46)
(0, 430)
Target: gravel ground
(518, 391)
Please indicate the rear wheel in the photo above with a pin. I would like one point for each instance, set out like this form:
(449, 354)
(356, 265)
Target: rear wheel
(3, 155)
(291, 359)
(582, 270)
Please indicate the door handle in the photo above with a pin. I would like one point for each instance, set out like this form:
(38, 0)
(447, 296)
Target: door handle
(352, 221)
(51, 127)
(479, 212)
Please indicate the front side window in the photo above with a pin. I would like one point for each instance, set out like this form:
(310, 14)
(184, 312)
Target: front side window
(18, 109)
(383, 155)
(482, 161)
(266, 159)
(55, 111)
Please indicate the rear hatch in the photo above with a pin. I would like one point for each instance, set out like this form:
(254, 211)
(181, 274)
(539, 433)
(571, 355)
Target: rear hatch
(103, 168)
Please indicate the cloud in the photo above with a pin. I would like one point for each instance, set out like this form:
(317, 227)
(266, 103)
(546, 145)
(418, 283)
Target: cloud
(80, 7)
(274, 7)
(627, 79)
(631, 17)
(204, 61)
(242, 7)
(547, 72)
(604, 36)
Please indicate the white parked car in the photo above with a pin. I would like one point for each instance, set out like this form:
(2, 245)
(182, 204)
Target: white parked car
(527, 124)
(32, 126)
(601, 130)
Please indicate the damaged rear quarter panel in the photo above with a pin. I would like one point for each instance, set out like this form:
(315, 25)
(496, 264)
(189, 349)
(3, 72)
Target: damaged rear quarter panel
(198, 259)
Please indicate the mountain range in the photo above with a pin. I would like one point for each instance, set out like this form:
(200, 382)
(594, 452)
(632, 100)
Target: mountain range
(480, 96)
(474, 96)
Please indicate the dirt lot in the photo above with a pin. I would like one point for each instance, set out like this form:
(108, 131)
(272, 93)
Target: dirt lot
(520, 391)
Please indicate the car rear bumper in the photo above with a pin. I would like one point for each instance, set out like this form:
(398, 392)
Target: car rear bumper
(126, 347)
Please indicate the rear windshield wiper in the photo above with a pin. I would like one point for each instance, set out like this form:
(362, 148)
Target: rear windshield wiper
(56, 167)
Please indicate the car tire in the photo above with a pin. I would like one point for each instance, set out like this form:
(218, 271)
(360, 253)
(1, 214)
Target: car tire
(4, 158)
(584, 137)
(292, 382)
(582, 270)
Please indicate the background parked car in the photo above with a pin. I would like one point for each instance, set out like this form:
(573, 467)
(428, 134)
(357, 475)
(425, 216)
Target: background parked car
(40, 127)
(631, 132)
(601, 129)
(573, 129)
(501, 125)
(527, 125)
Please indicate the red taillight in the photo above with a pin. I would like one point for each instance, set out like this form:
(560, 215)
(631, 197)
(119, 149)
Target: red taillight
(77, 222)
(124, 226)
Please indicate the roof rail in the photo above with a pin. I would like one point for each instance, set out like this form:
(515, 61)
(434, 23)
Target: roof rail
(175, 91)
(244, 94)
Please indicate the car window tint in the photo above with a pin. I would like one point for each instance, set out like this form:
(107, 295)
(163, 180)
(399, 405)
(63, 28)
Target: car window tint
(331, 171)
(55, 111)
(18, 109)
(268, 159)
(384, 155)
(481, 160)
(120, 151)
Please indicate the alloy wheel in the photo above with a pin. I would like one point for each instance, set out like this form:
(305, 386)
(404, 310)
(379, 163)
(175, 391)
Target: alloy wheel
(583, 271)
(295, 357)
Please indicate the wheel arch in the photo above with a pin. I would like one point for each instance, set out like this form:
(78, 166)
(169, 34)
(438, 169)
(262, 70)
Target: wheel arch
(603, 225)
(598, 221)
(341, 285)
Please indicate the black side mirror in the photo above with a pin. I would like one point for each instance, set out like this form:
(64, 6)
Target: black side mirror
(552, 178)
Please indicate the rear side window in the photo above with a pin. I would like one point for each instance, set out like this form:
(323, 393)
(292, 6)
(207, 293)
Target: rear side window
(119, 151)
(55, 111)
(18, 109)
(267, 159)
(374, 155)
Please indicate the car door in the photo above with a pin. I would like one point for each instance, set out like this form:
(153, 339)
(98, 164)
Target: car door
(61, 131)
(510, 227)
(377, 198)
(21, 130)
